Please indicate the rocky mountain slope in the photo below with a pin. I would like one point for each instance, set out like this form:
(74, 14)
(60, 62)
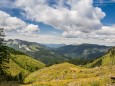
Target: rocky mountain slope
(88, 51)
(37, 51)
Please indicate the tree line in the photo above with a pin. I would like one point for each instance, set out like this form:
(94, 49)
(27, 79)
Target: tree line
(4, 54)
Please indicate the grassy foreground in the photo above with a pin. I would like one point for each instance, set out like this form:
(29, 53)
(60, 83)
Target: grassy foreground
(70, 75)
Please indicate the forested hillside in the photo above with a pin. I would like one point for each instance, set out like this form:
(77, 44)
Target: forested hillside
(17, 65)
(86, 51)
(107, 60)
(37, 51)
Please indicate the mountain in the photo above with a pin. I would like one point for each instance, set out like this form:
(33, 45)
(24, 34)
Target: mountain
(18, 65)
(24, 45)
(88, 51)
(37, 51)
(107, 60)
(54, 46)
(76, 54)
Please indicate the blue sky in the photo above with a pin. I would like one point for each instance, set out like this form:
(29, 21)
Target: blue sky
(110, 14)
(49, 28)
(107, 6)
(16, 12)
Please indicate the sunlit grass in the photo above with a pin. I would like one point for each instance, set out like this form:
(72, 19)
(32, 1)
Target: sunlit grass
(70, 75)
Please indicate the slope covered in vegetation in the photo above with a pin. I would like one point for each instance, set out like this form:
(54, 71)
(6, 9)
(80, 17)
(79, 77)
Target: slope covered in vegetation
(70, 75)
(37, 51)
(107, 60)
(87, 51)
(19, 66)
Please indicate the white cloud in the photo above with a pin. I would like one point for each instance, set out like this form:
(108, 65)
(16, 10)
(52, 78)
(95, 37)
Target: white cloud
(49, 39)
(81, 17)
(105, 33)
(29, 30)
(81, 20)
(107, 30)
(15, 25)
(108, 33)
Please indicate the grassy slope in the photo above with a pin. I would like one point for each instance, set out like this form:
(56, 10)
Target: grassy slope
(53, 72)
(70, 75)
(20, 62)
(106, 60)
(14, 69)
(27, 62)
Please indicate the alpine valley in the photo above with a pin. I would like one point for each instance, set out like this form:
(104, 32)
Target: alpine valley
(77, 54)
(20, 69)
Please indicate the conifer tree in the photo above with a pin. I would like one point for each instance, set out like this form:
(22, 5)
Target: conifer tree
(1, 36)
(4, 54)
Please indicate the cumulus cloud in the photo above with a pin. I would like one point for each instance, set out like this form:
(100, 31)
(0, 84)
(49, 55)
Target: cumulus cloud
(81, 17)
(108, 33)
(13, 24)
(105, 33)
(29, 30)
(49, 39)
(10, 23)
(76, 18)
(107, 30)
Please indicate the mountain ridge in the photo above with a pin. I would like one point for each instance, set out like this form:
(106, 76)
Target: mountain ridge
(83, 50)
(107, 60)
(37, 51)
